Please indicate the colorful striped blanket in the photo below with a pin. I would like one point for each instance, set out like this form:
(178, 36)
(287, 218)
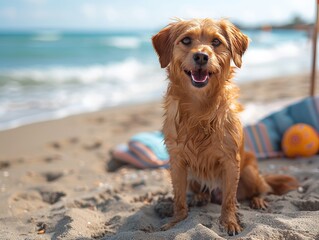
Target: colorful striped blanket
(264, 138)
(144, 150)
(147, 150)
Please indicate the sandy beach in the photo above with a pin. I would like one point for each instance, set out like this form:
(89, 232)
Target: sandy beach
(58, 181)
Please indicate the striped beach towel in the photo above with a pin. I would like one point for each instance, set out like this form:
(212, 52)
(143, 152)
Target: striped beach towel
(264, 138)
(144, 150)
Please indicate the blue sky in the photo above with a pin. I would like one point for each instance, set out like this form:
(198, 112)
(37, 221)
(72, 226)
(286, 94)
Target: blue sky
(142, 14)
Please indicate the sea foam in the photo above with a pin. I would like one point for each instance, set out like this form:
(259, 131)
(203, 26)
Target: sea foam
(123, 42)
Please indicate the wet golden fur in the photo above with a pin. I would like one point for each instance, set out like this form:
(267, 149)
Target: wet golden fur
(202, 130)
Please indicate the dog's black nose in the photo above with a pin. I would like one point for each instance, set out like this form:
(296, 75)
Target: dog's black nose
(200, 58)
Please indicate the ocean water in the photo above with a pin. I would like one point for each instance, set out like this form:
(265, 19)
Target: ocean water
(48, 75)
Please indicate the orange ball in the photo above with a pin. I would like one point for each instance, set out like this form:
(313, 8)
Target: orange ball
(300, 140)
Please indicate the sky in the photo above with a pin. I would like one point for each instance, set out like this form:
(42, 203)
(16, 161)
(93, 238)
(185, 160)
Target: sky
(143, 14)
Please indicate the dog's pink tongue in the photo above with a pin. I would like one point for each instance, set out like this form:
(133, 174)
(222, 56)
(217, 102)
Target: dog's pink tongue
(199, 75)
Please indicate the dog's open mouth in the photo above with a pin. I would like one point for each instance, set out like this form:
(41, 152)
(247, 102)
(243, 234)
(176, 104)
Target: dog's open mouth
(199, 77)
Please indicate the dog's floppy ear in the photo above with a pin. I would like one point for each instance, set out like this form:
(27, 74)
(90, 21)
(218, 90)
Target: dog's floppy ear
(237, 41)
(163, 45)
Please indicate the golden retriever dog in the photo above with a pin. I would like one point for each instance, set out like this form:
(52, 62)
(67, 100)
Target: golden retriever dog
(203, 133)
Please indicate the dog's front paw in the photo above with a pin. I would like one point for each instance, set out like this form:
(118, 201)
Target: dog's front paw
(230, 223)
(232, 228)
(177, 218)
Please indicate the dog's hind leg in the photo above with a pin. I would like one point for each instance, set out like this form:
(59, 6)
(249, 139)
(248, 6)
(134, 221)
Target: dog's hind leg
(253, 186)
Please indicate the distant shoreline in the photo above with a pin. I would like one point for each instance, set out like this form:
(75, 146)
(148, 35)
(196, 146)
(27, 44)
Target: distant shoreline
(296, 27)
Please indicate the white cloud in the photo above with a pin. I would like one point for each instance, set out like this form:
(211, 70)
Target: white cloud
(90, 11)
(36, 2)
(100, 13)
(193, 12)
(139, 13)
(115, 15)
(110, 13)
(144, 14)
(9, 13)
(40, 14)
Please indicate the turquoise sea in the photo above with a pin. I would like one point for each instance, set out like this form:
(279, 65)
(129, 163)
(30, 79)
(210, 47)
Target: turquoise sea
(50, 74)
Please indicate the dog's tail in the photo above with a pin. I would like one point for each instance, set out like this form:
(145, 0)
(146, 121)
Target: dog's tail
(281, 184)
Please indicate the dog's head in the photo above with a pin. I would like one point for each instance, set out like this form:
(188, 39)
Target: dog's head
(200, 50)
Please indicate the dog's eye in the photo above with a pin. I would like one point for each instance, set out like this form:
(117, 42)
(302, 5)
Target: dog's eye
(216, 42)
(186, 40)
